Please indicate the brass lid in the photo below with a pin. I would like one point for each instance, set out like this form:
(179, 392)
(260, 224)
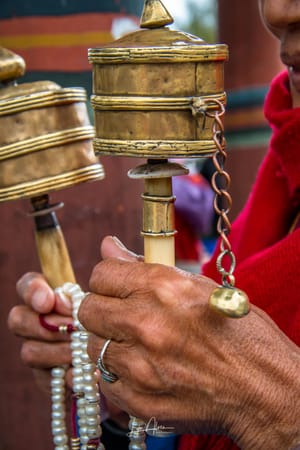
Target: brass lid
(157, 43)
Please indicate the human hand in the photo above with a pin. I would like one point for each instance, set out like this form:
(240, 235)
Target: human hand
(182, 363)
(41, 349)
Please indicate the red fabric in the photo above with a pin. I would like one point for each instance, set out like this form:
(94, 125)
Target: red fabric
(268, 256)
(187, 244)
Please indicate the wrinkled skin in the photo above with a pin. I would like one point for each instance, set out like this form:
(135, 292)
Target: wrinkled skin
(42, 349)
(176, 360)
(184, 364)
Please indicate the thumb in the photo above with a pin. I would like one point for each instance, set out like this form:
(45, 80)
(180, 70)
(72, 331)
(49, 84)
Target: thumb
(112, 247)
(36, 293)
(39, 296)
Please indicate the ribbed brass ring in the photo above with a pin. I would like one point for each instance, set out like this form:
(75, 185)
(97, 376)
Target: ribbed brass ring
(173, 54)
(53, 183)
(154, 149)
(159, 198)
(159, 234)
(46, 141)
(41, 100)
(135, 103)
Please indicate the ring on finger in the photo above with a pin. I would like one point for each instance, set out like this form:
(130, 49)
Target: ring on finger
(106, 375)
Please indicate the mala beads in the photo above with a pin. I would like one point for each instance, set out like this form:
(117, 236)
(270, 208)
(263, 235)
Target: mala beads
(58, 413)
(86, 429)
(85, 385)
(137, 434)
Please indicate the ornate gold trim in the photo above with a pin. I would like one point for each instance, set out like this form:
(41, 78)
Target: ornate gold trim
(106, 102)
(46, 141)
(56, 182)
(154, 149)
(41, 100)
(174, 54)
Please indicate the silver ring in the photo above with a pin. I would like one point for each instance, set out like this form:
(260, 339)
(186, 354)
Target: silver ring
(106, 375)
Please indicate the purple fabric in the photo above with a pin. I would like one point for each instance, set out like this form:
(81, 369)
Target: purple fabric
(194, 201)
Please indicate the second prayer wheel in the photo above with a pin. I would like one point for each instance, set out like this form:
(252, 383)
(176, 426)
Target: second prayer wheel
(145, 86)
(45, 137)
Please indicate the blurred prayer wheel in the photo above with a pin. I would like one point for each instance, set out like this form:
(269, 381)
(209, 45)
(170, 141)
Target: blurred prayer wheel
(45, 145)
(45, 137)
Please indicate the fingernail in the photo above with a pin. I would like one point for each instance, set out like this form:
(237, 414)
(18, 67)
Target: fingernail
(39, 299)
(125, 250)
(118, 242)
(63, 298)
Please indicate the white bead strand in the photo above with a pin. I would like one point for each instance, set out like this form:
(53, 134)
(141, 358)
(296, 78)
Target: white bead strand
(58, 413)
(137, 434)
(85, 387)
(86, 383)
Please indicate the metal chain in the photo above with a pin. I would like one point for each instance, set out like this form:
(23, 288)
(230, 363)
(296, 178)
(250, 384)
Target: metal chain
(220, 184)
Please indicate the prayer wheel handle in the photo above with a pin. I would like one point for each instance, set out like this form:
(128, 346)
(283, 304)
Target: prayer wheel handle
(50, 243)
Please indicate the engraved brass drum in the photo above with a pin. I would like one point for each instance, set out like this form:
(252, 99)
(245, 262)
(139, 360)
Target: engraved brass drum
(144, 88)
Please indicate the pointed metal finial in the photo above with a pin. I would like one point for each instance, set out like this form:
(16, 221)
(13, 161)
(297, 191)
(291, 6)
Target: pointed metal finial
(155, 15)
(12, 66)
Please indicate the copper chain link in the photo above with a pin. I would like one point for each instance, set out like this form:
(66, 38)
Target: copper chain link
(220, 183)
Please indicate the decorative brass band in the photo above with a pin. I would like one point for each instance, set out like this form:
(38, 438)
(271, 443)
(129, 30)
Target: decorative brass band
(158, 215)
(46, 141)
(41, 100)
(106, 102)
(174, 54)
(161, 234)
(154, 149)
(56, 182)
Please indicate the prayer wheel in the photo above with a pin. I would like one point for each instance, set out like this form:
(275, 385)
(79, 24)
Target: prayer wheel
(45, 137)
(159, 94)
(145, 86)
(154, 94)
(45, 145)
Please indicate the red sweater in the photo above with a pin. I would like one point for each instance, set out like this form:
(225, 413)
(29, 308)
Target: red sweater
(267, 253)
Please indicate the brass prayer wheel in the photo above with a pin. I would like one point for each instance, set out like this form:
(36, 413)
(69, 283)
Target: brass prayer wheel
(155, 92)
(159, 94)
(145, 86)
(45, 135)
(155, 95)
(45, 145)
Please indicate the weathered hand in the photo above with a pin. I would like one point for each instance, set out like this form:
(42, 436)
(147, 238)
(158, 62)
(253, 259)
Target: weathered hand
(184, 364)
(41, 349)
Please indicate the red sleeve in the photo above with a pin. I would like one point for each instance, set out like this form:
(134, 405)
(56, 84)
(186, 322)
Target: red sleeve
(271, 278)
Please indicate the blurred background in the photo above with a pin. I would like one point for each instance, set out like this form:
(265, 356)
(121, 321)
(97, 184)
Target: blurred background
(53, 37)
